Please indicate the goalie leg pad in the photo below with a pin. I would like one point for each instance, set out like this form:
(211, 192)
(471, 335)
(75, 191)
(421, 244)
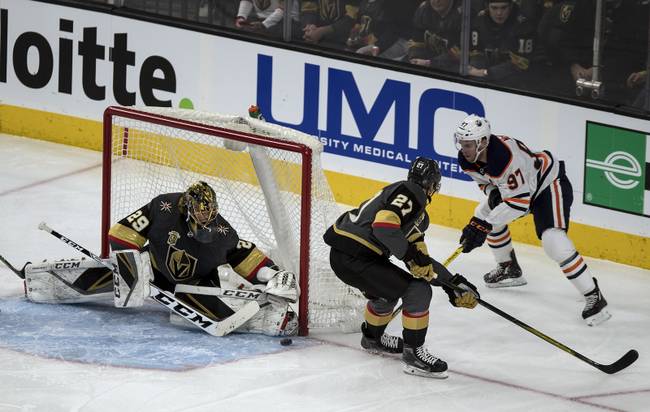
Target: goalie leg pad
(275, 318)
(67, 281)
(131, 279)
(272, 320)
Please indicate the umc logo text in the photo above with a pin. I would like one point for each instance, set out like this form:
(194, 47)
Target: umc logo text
(394, 95)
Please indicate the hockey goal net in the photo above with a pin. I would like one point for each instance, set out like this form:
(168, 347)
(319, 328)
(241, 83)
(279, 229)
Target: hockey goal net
(269, 183)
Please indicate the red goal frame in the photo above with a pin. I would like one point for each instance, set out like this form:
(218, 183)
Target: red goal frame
(306, 182)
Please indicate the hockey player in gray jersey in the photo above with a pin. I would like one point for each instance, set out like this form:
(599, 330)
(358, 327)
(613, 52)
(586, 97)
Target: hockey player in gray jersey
(518, 181)
(392, 223)
(177, 241)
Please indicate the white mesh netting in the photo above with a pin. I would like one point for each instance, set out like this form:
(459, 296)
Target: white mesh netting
(258, 189)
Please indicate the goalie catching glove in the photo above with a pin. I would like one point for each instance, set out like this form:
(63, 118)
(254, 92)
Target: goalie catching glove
(418, 261)
(280, 283)
(465, 299)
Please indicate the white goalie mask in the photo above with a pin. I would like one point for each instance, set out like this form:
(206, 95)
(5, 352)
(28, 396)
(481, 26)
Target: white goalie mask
(473, 129)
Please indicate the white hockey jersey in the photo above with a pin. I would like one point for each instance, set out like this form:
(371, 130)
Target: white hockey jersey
(517, 172)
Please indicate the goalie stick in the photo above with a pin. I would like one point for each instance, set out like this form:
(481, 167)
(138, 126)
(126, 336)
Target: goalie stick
(622, 363)
(202, 290)
(20, 273)
(210, 326)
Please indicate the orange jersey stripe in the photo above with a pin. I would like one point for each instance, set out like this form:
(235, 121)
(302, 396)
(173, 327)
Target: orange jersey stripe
(507, 235)
(575, 265)
(558, 213)
(517, 200)
(545, 160)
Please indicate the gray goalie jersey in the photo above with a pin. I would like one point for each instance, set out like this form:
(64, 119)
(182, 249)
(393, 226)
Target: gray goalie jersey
(383, 224)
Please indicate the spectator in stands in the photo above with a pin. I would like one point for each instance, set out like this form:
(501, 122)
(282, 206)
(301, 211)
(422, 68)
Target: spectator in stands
(264, 16)
(567, 34)
(637, 82)
(502, 44)
(436, 35)
(534, 9)
(328, 22)
(382, 28)
(561, 44)
(625, 49)
(476, 6)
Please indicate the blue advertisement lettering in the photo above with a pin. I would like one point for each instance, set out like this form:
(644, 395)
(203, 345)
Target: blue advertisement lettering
(393, 95)
(309, 122)
(430, 101)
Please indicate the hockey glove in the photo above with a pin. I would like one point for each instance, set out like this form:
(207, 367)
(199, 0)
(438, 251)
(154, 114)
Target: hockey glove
(465, 299)
(283, 285)
(474, 234)
(494, 198)
(418, 261)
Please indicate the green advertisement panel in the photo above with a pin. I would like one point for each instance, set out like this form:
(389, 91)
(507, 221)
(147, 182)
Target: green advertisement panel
(616, 169)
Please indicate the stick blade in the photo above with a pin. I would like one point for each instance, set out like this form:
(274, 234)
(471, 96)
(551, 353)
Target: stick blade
(235, 320)
(629, 358)
(19, 273)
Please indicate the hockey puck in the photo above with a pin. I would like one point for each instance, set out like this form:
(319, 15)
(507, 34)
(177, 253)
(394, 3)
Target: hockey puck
(286, 342)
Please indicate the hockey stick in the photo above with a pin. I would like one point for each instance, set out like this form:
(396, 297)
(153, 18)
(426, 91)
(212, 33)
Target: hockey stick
(625, 361)
(453, 256)
(212, 327)
(223, 292)
(20, 273)
(446, 263)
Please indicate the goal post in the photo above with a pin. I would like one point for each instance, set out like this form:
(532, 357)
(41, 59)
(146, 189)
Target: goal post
(269, 183)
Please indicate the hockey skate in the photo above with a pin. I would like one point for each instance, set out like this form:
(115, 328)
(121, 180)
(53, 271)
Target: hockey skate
(384, 344)
(506, 274)
(418, 361)
(595, 311)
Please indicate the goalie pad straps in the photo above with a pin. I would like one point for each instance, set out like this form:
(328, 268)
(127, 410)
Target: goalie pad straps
(131, 279)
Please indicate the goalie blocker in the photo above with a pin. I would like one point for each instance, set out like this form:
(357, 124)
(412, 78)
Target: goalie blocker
(82, 280)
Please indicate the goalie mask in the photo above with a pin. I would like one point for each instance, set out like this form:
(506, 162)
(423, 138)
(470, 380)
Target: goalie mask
(201, 207)
(425, 173)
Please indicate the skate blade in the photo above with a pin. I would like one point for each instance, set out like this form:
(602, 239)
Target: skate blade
(507, 283)
(381, 352)
(598, 318)
(411, 370)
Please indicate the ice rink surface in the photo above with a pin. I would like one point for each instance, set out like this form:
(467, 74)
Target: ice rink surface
(96, 358)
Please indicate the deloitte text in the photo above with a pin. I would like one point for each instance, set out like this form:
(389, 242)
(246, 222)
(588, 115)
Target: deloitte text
(92, 54)
(394, 95)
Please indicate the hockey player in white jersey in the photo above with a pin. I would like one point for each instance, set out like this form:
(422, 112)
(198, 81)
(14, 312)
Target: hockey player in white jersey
(518, 181)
